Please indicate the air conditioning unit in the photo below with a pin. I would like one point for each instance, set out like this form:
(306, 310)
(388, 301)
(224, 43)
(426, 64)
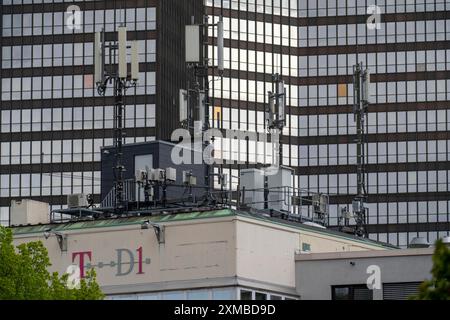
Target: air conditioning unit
(29, 212)
(280, 191)
(77, 201)
(252, 181)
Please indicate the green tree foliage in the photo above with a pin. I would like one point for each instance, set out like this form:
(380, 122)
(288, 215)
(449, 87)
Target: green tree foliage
(24, 274)
(438, 288)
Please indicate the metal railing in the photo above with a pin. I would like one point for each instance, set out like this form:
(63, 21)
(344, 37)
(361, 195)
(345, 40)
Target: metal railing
(129, 194)
(288, 199)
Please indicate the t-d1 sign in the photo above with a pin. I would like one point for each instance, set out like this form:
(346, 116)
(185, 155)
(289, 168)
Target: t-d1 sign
(124, 262)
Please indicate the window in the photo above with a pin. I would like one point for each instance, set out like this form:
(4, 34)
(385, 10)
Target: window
(260, 296)
(400, 291)
(351, 292)
(198, 295)
(306, 247)
(223, 294)
(246, 295)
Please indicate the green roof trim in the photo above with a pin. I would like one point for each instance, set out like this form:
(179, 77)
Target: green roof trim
(119, 222)
(195, 215)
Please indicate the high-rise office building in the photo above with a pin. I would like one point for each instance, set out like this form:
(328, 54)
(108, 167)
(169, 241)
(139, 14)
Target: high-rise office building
(314, 46)
(53, 121)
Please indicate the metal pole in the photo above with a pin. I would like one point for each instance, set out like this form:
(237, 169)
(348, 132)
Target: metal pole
(206, 102)
(360, 113)
(118, 92)
(280, 123)
(121, 82)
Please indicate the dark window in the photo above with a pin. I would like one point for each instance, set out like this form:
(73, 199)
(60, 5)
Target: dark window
(306, 247)
(351, 292)
(260, 296)
(246, 295)
(400, 291)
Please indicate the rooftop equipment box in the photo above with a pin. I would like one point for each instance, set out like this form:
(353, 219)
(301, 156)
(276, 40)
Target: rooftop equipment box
(280, 191)
(147, 156)
(253, 182)
(25, 212)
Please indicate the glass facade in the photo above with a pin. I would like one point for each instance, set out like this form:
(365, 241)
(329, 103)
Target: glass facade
(223, 293)
(53, 122)
(408, 140)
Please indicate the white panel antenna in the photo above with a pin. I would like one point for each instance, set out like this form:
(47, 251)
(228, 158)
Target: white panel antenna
(123, 68)
(220, 44)
(281, 102)
(201, 106)
(183, 105)
(366, 86)
(193, 44)
(134, 61)
(98, 58)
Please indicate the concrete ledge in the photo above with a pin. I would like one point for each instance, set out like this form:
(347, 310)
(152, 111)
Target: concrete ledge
(363, 254)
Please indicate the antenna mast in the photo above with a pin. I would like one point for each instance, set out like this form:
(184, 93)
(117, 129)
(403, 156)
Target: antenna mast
(275, 117)
(117, 74)
(196, 38)
(361, 87)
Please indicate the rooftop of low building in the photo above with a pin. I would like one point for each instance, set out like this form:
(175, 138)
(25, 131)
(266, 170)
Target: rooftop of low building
(203, 213)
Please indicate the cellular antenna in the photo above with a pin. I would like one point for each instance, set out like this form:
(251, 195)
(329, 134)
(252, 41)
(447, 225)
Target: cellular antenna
(134, 61)
(122, 80)
(197, 60)
(123, 72)
(220, 45)
(361, 87)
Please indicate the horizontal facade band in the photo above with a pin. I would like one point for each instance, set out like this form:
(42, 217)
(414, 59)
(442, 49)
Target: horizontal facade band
(338, 49)
(309, 21)
(74, 134)
(71, 102)
(291, 140)
(66, 70)
(72, 38)
(370, 168)
(322, 80)
(315, 170)
(53, 167)
(332, 109)
(408, 227)
(86, 5)
(389, 197)
(348, 139)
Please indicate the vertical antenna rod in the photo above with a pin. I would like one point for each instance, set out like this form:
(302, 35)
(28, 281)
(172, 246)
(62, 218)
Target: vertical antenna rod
(361, 83)
(275, 116)
(197, 59)
(122, 80)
